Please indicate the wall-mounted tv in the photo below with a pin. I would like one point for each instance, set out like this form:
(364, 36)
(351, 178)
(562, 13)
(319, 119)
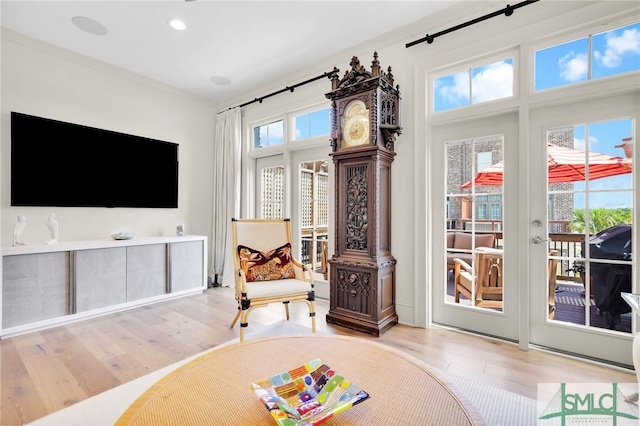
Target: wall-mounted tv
(60, 164)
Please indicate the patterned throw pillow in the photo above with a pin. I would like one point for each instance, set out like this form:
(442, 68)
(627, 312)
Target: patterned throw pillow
(275, 264)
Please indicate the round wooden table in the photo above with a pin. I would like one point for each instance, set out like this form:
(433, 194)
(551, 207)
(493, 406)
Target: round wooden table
(214, 388)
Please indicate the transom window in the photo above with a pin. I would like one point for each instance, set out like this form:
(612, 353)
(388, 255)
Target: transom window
(303, 125)
(595, 56)
(311, 124)
(268, 134)
(474, 85)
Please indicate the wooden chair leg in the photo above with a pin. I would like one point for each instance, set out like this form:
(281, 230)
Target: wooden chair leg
(286, 308)
(235, 318)
(312, 314)
(244, 322)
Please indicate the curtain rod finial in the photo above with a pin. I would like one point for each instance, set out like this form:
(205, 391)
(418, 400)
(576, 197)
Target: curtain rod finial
(508, 11)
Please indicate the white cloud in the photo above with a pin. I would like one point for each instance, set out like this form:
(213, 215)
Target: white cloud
(574, 67)
(495, 81)
(459, 90)
(276, 131)
(617, 46)
(580, 143)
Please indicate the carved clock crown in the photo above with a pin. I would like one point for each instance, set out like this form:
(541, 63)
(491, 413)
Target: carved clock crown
(352, 79)
(376, 89)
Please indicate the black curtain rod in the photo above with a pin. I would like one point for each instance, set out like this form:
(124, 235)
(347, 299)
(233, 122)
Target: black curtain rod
(508, 11)
(328, 74)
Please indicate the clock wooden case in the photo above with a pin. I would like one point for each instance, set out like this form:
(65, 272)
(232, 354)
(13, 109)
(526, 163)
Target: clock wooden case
(365, 120)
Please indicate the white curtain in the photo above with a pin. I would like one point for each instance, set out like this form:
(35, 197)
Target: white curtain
(226, 192)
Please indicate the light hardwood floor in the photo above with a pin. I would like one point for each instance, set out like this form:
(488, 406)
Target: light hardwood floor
(45, 371)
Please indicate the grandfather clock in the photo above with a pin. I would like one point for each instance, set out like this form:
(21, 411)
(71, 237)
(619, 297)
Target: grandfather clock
(364, 124)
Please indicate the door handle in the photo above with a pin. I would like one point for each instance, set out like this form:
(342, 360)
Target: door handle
(538, 240)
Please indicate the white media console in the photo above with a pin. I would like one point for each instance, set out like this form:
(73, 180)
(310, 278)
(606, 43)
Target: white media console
(48, 285)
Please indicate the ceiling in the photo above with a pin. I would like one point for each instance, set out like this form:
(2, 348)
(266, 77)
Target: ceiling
(247, 43)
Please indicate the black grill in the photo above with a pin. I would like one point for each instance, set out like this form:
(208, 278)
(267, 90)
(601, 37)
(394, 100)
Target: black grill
(609, 280)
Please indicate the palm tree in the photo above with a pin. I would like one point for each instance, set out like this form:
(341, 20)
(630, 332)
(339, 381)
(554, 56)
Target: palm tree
(599, 219)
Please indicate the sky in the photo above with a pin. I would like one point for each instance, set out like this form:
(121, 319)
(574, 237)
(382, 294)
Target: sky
(603, 137)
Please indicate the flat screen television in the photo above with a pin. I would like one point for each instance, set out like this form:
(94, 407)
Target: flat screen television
(60, 164)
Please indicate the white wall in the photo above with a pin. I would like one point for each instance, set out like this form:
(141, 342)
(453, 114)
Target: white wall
(47, 81)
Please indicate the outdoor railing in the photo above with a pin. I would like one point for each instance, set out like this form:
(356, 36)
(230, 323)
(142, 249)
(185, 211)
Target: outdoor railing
(567, 245)
(314, 252)
(555, 226)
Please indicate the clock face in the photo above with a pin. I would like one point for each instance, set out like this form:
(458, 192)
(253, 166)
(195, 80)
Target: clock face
(355, 124)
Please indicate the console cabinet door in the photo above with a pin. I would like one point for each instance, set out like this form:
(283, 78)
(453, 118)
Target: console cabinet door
(187, 268)
(101, 278)
(35, 287)
(146, 271)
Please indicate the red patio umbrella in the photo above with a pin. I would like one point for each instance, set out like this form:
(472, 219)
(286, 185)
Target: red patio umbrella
(565, 165)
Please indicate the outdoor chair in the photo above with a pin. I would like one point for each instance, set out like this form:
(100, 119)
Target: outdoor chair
(265, 269)
(487, 280)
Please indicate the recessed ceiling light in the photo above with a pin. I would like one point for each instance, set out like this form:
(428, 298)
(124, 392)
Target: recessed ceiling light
(220, 80)
(177, 24)
(89, 25)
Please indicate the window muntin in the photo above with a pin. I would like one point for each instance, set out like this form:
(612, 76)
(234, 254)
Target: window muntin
(311, 124)
(268, 134)
(591, 57)
(472, 86)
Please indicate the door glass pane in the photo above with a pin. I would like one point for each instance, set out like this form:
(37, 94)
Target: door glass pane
(474, 237)
(475, 85)
(268, 134)
(314, 220)
(272, 196)
(590, 209)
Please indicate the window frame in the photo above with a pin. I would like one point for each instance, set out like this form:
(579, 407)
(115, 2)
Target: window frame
(308, 111)
(470, 65)
(288, 143)
(616, 82)
(270, 149)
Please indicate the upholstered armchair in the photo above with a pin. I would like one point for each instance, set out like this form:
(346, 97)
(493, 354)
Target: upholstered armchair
(265, 269)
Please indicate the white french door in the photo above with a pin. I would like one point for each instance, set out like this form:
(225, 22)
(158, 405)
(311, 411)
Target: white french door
(589, 318)
(475, 224)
